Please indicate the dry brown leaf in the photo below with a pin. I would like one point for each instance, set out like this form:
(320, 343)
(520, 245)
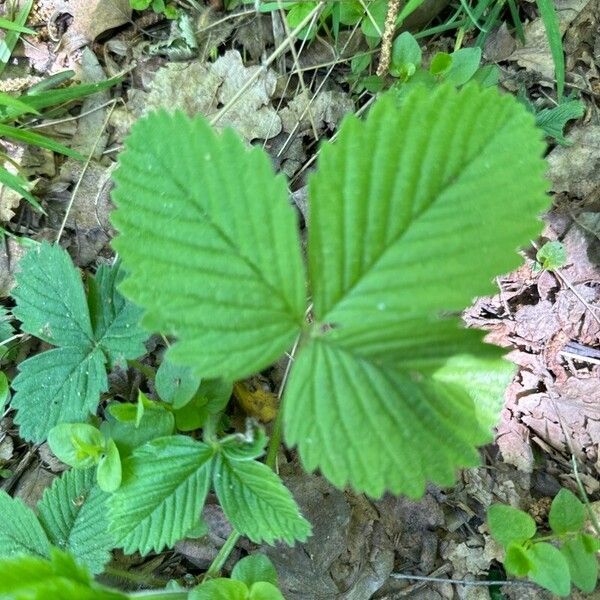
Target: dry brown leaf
(255, 400)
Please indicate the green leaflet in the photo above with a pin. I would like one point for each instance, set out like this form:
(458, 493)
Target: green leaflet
(257, 503)
(73, 514)
(64, 384)
(412, 214)
(549, 568)
(60, 578)
(567, 512)
(20, 531)
(510, 525)
(225, 246)
(164, 486)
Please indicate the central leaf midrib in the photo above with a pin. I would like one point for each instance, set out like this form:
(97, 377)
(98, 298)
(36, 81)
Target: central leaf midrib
(225, 237)
(420, 215)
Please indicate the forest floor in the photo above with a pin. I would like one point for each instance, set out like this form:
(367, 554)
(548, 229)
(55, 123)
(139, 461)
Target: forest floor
(549, 432)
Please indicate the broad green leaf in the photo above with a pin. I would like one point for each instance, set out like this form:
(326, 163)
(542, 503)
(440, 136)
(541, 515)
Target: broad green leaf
(257, 503)
(115, 320)
(263, 590)
(440, 64)
(516, 560)
(62, 385)
(394, 231)
(406, 56)
(78, 445)
(210, 399)
(549, 568)
(109, 472)
(583, 565)
(50, 299)
(176, 384)
(156, 422)
(567, 512)
(224, 245)
(465, 63)
(20, 531)
(375, 426)
(32, 578)
(551, 256)
(510, 525)
(73, 514)
(255, 568)
(164, 486)
(590, 542)
(220, 589)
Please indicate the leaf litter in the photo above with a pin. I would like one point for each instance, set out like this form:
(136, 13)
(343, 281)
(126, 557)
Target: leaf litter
(546, 320)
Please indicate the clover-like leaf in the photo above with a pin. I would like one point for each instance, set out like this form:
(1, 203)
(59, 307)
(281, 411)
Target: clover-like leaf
(225, 246)
(510, 525)
(403, 234)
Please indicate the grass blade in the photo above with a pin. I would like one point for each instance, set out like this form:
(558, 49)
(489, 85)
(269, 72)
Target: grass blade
(12, 26)
(7, 45)
(18, 184)
(550, 19)
(35, 139)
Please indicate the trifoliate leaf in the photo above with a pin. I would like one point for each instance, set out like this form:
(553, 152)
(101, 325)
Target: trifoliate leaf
(20, 531)
(50, 299)
(224, 245)
(73, 514)
(254, 568)
(57, 386)
(583, 565)
(510, 525)
(64, 384)
(567, 512)
(392, 246)
(115, 320)
(220, 589)
(257, 503)
(164, 486)
(31, 578)
(549, 568)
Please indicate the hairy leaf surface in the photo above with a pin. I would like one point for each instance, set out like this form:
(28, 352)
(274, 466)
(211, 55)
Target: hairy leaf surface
(62, 385)
(257, 503)
(223, 272)
(413, 212)
(73, 514)
(20, 531)
(164, 486)
(50, 299)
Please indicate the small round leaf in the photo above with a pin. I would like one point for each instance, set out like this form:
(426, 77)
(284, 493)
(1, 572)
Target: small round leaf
(509, 524)
(253, 569)
(78, 445)
(567, 512)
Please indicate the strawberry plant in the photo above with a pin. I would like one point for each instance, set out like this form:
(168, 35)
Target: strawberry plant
(568, 554)
(412, 213)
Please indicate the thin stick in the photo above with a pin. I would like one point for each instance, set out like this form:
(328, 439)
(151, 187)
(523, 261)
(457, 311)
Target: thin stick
(83, 171)
(461, 581)
(270, 60)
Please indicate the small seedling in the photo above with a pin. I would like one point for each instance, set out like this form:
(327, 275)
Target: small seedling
(568, 555)
(551, 256)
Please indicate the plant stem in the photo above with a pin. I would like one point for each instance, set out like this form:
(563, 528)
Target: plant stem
(271, 461)
(223, 555)
(160, 595)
